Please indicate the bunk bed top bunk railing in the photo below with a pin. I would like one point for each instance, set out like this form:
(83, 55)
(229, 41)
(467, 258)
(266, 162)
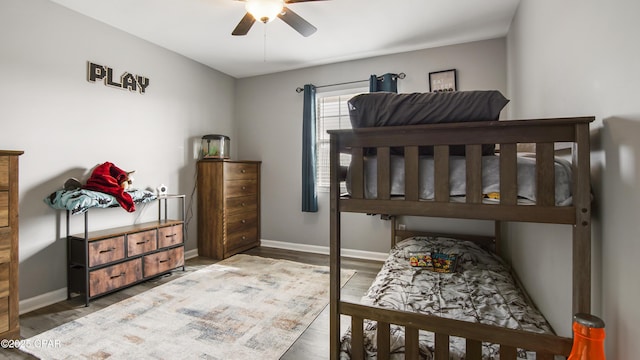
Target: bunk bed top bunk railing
(508, 134)
(543, 133)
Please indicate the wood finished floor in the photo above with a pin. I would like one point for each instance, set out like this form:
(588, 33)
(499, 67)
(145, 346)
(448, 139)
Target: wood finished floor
(312, 344)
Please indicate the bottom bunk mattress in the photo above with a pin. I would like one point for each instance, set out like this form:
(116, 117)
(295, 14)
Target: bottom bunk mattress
(453, 279)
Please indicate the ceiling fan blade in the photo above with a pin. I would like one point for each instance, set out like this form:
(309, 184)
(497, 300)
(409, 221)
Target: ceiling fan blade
(244, 25)
(297, 22)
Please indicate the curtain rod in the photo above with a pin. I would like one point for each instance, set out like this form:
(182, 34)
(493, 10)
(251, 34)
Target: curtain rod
(399, 76)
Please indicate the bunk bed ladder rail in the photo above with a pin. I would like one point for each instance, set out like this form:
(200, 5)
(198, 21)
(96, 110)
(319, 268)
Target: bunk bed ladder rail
(545, 346)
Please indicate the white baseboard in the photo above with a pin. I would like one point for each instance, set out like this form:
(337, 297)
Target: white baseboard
(190, 254)
(40, 301)
(315, 249)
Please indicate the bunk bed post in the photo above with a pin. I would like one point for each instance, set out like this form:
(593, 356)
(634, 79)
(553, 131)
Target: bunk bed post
(497, 234)
(394, 223)
(582, 227)
(334, 248)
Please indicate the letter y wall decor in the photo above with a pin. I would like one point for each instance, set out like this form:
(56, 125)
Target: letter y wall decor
(127, 80)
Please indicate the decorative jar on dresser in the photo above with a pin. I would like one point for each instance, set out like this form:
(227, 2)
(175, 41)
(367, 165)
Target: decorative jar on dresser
(9, 325)
(228, 207)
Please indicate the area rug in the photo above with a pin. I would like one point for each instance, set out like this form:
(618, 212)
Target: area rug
(244, 307)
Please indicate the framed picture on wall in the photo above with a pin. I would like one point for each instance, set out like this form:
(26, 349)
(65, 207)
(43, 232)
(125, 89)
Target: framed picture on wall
(444, 80)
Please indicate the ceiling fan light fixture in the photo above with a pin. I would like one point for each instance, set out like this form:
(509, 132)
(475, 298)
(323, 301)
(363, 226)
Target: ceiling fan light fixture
(264, 10)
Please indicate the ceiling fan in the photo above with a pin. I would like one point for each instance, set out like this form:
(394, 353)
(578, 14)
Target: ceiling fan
(267, 10)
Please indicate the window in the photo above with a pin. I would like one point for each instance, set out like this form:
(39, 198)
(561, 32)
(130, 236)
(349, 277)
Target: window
(332, 113)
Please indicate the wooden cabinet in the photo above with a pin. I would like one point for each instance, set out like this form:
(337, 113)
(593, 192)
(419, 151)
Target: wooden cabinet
(9, 297)
(228, 207)
(104, 261)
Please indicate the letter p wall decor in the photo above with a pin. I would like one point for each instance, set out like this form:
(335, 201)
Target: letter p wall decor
(127, 80)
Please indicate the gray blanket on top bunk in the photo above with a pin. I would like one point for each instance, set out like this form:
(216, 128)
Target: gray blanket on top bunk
(391, 109)
(481, 290)
(457, 178)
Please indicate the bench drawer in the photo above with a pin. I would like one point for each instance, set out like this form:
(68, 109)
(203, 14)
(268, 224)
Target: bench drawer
(169, 236)
(115, 276)
(106, 251)
(163, 261)
(142, 242)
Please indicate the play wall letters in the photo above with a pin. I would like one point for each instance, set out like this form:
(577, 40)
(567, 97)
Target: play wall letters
(127, 80)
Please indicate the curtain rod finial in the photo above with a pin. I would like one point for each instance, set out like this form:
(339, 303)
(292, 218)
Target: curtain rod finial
(299, 90)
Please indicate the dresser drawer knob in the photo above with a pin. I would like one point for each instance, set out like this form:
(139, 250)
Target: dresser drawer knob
(244, 188)
(244, 237)
(243, 204)
(243, 221)
(243, 171)
(107, 250)
(164, 261)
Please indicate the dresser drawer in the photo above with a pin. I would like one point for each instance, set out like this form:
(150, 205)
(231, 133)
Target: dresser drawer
(115, 276)
(241, 238)
(106, 251)
(141, 242)
(241, 204)
(4, 172)
(234, 188)
(239, 171)
(5, 244)
(241, 222)
(169, 235)
(4, 208)
(4, 314)
(4, 279)
(163, 261)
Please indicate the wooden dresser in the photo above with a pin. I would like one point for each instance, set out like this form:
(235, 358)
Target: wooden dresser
(9, 297)
(104, 261)
(228, 207)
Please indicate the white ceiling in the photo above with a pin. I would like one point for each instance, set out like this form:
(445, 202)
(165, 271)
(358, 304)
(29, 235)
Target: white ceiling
(347, 29)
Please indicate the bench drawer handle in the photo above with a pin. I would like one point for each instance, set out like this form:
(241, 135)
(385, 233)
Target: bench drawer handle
(117, 276)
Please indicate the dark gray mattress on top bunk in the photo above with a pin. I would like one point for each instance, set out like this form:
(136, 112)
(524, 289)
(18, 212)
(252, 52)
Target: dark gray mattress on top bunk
(480, 289)
(391, 109)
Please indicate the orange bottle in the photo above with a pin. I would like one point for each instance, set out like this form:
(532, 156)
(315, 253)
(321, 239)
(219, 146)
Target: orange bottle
(588, 338)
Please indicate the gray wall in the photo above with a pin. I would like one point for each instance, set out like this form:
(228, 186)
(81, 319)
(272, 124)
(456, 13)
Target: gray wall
(67, 125)
(573, 58)
(269, 116)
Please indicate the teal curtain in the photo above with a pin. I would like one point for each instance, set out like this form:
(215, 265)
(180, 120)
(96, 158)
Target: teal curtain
(309, 193)
(387, 82)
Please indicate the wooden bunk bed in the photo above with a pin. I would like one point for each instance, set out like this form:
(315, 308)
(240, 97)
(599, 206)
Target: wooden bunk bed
(508, 134)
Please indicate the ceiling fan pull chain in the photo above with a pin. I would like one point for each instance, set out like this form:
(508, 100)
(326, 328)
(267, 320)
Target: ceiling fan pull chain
(264, 51)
